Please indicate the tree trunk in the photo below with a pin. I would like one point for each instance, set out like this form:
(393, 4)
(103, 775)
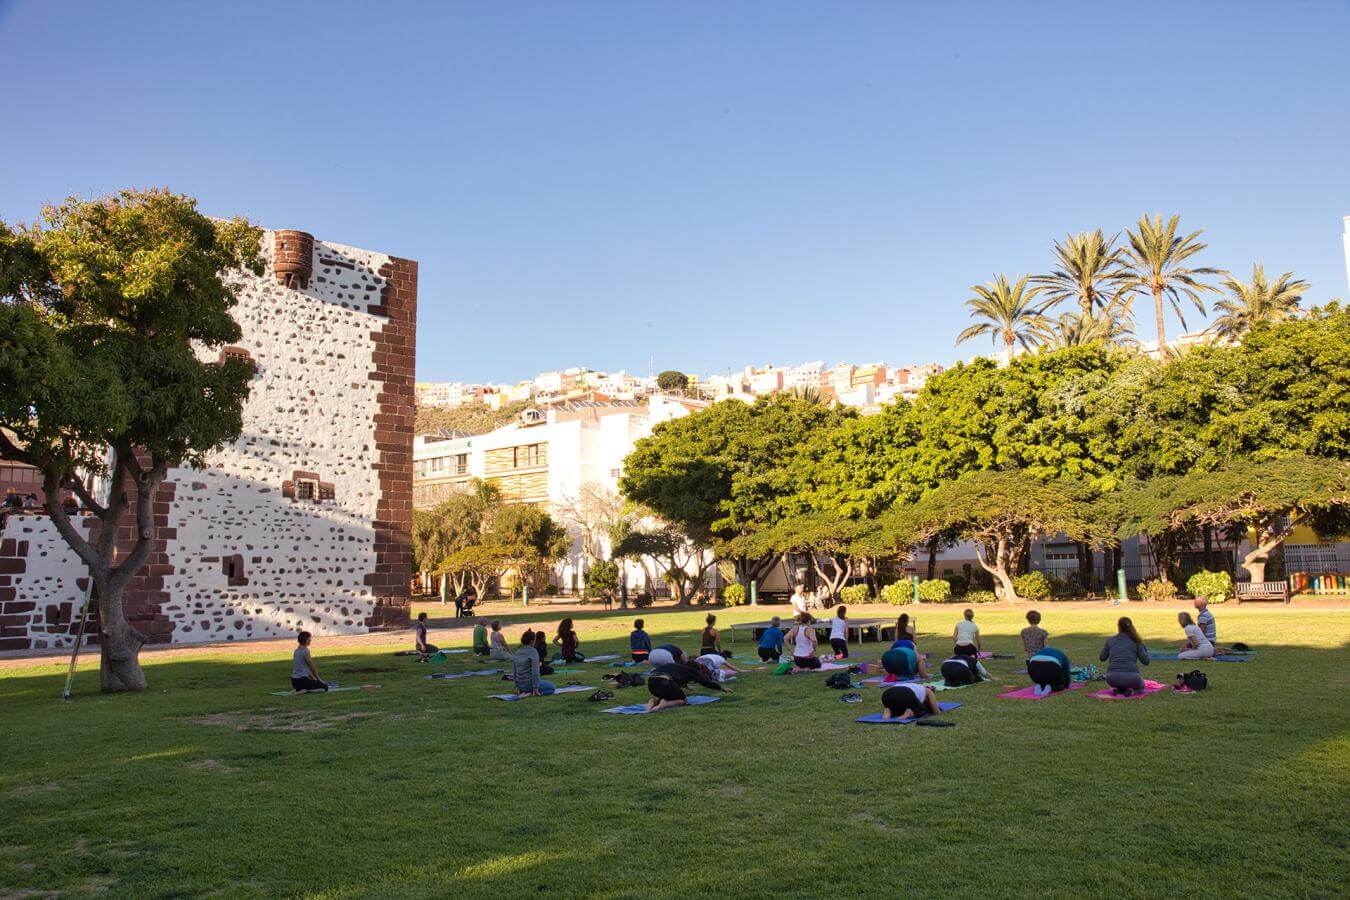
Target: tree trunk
(1162, 328)
(1003, 583)
(932, 559)
(119, 644)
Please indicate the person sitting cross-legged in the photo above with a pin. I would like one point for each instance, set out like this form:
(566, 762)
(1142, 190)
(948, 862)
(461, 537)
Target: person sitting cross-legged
(525, 670)
(304, 674)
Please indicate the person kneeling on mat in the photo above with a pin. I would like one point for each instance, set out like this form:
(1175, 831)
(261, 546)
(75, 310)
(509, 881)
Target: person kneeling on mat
(424, 649)
(1125, 651)
(667, 682)
(667, 654)
(804, 643)
(525, 669)
(902, 663)
(909, 701)
(304, 677)
(961, 670)
(771, 641)
(1049, 671)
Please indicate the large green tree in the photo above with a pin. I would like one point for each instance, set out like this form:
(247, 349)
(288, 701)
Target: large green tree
(724, 473)
(106, 307)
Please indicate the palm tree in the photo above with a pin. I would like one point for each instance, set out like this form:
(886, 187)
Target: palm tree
(1010, 311)
(1089, 271)
(1156, 265)
(808, 393)
(1250, 303)
(1110, 325)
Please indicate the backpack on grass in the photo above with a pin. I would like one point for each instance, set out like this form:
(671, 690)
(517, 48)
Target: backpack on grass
(1194, 680)
(839, 681)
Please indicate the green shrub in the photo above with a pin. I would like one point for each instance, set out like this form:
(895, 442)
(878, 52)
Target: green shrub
(642, 600)
(1032, 586)
(1215, 587)
(898, 594)
(980, 597)
(733, 595)
(1157, 590)
(936, 590)
(855, 594)
(602, 579)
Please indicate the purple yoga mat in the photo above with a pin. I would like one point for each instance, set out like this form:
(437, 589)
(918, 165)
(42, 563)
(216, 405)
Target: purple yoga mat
(1029, 693)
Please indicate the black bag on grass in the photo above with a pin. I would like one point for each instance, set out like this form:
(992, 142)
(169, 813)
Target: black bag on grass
(1194, 679)
(839, 681)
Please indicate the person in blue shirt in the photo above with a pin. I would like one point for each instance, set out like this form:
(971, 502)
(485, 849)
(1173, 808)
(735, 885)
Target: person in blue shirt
(639, 643)
(771, 641)
(902, 663)
(1049, 671)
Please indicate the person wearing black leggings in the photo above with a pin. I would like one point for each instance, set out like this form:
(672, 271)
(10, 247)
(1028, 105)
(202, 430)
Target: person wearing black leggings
(960, 670)
(667, 682)
(1049, 670)
(909, 701)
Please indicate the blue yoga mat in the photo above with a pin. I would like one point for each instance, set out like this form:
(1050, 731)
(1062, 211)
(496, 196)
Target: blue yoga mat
(451, 676)
(638, 709)
(876, 719)
(570, 689)
(1227, 657)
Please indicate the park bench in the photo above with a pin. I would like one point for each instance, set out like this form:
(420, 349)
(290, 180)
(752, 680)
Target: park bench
(1262, 590)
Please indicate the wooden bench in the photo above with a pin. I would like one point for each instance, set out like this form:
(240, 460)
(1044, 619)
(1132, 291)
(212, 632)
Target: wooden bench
(1262, 590)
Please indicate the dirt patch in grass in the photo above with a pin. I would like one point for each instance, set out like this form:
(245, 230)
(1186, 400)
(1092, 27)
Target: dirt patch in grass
(298, 721)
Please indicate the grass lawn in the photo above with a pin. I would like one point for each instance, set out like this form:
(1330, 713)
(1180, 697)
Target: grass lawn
(207, 784)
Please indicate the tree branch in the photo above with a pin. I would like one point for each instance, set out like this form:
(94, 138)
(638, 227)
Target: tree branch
(96, 562)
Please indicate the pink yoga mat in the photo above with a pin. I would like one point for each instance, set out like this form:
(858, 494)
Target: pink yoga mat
(1029, 693)
(1150, 687)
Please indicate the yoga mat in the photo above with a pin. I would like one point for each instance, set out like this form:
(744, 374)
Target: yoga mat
(940, 685)
(451, 676)
(607, 656)
(1226, 657)
(334, 690)
(876, 719)
(569, 689)
(1150, 687)
(880, 681)
(639, 709)
(1029, 693)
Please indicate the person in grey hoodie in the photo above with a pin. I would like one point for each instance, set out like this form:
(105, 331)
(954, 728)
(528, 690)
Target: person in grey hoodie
(525, 669)
(1123, 653)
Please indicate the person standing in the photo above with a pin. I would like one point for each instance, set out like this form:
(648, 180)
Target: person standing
(798, 601)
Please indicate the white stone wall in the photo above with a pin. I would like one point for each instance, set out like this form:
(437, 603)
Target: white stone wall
(312, 408)
(47, 582)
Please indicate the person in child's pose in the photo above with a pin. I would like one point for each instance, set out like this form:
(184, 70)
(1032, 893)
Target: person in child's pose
(771, 641)
(839, 633)
(909, 701)
(960, 669)
(304, 676)
(668, 680)
(1048, 668)
(1034, 636)
(716, 666)
(804, 643)
(966, 636)
(710, 641)
(1197, 646)
(499, 649)
(567, 640)
(901, 663)
(480, 638)
(423, 647)
(639, 642)
(525, 670)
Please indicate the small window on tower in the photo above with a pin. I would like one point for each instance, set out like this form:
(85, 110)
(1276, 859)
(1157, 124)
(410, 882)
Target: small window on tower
(306, 490)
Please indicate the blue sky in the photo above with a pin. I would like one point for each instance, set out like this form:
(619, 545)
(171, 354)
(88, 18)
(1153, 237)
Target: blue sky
(698, 185)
